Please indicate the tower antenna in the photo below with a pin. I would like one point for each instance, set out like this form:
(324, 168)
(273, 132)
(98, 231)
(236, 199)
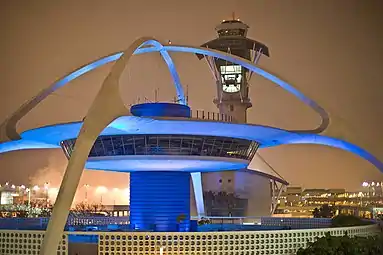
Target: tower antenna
(156, 95)
(187, 94)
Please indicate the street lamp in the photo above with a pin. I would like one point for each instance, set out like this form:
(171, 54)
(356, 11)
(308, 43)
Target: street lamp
(46, 188)
(28, 190)
(101, 190)
(115, 190)
(86, 191)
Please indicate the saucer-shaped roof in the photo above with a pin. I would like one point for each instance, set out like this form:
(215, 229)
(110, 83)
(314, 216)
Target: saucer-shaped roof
(50, 136)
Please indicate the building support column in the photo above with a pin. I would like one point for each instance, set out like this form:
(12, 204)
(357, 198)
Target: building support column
(198, 193)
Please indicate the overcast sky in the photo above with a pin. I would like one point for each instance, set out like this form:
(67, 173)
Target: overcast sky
(330, 50)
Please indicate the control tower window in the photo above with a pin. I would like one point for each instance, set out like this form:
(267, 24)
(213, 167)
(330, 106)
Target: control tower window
(231, 32)
(231, 76)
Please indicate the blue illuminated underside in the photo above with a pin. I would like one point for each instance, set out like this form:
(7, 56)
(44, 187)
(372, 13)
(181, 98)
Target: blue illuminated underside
(51, 136)
(165, 163)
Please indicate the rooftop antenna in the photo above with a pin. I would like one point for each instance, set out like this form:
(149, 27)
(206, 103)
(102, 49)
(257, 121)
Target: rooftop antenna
(156, 95)
(233, 15)
(147, 100)
(187, 94)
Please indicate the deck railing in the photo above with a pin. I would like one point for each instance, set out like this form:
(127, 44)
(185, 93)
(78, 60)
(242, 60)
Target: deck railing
(215, 116)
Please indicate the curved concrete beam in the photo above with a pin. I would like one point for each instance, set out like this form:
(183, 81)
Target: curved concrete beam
(267, 75)
(106, 107)
(8, 127)
(337, 143)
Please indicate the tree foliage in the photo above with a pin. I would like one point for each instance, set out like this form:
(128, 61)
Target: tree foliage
(344, 245)
(347, 221)
(23, 211)
(85, 209)
(325, 211)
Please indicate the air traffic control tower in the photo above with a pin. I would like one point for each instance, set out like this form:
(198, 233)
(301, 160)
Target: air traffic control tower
(232, 98)
(233, 80)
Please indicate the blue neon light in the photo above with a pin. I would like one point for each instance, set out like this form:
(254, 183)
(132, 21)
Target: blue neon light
(51, 136)
(25, 145)
(152, 163)
(85, 69)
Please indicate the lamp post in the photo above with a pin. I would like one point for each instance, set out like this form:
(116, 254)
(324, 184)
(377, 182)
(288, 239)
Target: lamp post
(101, 190)
(86, 186)
(28, 190)
(116, 190)
(46, 188)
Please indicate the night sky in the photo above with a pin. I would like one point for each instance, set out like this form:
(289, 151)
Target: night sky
(330, 50)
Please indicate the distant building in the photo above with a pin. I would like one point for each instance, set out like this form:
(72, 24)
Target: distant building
(293, 196)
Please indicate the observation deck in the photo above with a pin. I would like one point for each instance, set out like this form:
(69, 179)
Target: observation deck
(177, 152)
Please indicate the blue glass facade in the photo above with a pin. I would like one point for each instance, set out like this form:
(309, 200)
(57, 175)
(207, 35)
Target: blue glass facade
(181, 145)
(160, 201)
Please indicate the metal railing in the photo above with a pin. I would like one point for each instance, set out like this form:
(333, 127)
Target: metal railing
(205, 115)
(41, 223)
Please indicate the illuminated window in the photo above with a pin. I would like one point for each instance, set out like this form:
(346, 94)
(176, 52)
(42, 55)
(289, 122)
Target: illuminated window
(231, 76)
(117, 145)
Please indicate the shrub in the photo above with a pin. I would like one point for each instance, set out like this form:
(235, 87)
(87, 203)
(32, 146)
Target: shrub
(347, 221)
(345, 245)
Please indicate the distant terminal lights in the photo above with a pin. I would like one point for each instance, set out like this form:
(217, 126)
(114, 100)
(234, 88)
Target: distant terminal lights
(372, 184)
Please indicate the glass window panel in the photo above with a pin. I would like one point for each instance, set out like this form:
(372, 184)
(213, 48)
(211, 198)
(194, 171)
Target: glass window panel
(98, 147)
(164, 142)
(117, 145)
(187, 142)
(168, 145)
(230, 69)
(139, 142)
(175, 142)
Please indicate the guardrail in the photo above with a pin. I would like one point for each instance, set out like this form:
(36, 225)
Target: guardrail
(205, 115)
(41, 223)
(75, 221)
(272, 221)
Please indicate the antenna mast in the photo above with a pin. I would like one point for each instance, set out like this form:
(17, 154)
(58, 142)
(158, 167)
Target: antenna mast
(187, 94)
(156, 95)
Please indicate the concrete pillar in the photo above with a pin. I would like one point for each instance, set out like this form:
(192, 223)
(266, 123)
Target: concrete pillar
(198, 193)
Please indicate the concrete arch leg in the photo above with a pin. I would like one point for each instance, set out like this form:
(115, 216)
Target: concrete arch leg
(106, 107)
